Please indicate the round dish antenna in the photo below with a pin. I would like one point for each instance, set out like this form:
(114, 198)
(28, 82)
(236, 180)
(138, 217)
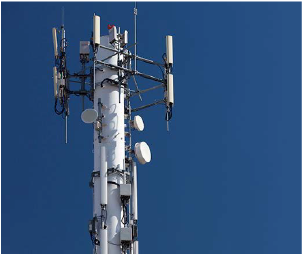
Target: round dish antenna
(89, 115)
(138, 123)
(142, 152)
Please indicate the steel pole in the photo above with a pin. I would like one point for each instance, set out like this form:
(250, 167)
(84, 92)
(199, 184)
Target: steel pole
(112, 140)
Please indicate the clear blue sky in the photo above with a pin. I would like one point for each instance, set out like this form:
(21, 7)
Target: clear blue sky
(224, 180)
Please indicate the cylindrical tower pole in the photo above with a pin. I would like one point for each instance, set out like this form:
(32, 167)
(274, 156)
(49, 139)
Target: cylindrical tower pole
(109, 135)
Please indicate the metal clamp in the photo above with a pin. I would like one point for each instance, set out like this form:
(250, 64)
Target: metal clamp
(94, 174)
(114, 171)
(134, 231)
(92, 228)
(103, 216)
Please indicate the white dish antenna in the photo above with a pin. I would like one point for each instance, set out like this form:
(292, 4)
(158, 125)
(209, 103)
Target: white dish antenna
(138, 123)
(89, 115)
(142, 152)
(55, 41)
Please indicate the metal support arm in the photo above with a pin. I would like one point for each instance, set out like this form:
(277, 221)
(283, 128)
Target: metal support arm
(149, 105)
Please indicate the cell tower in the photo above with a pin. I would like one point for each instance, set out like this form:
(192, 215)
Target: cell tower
(108, 68)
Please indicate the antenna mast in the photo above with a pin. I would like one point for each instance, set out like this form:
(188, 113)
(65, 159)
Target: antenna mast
(135, 36)
(106, 83)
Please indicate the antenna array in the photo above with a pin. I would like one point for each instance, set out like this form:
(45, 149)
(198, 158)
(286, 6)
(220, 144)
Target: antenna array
(105, 80)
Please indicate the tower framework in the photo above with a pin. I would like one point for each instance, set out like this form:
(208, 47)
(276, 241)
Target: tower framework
(108, 69)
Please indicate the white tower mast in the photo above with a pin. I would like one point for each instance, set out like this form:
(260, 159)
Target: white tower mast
(109, 148)
(113, 228)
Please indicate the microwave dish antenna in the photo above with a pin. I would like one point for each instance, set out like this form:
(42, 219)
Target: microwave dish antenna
(89, 115)
(142, 152)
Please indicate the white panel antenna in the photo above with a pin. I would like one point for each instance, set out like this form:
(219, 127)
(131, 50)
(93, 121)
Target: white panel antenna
(55, 81)
(112, 34)
(124, 38)
(169, 49)
(96, 30)
(55, 42)
(170, 92)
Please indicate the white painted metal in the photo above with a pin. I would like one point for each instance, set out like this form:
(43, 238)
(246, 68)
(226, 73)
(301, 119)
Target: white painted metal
(113, 34)
(103, 241)
(142, 152)
(134, 192)
(55, 81)
(113, 134)
(100, 183)
(126, 234)
(169, 49)
(55, 41)
(125, 37)
(103, 175)
(170, 89)
(125, 190)
(111, 189)
(96, 30)
(89, 115)
(114, 218)
(135, 247)
(100, 195)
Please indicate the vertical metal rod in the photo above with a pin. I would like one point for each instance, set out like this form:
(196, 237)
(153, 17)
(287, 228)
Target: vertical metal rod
(83, 103)
(63, 32)
(66, 138)
(135, 247)
(83, 86)
(135, 36)
(63, 16)
(100, 117)
(94, 59)
(118, 63)
(129, 123)
(134, 192)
